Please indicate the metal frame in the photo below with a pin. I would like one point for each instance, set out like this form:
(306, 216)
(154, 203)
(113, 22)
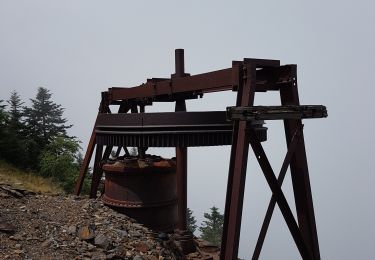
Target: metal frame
(246, 77)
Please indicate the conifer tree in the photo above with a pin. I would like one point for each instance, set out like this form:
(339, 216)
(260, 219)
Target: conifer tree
(43, 121)
(3, 130)
(191, 221)
(15, 143)
(15, 112)
(212, 228)
(44, 118)
(3, 115)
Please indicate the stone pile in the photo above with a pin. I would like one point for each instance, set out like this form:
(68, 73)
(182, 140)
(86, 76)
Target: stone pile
(37, 226)
(69, 227)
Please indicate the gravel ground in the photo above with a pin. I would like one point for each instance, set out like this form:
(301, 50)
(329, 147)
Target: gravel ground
(39, 226)
(36, 226)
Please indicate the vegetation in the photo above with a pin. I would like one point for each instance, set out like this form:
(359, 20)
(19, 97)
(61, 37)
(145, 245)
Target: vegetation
(27, 180)
(35, 139)
(212, 228)
(191, 221)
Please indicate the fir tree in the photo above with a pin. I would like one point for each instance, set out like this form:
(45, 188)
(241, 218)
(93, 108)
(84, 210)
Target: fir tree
(191, 221)
(15, 112)
(44, 118)
(16, 142)
(3, 129)
(212, 228)
(3, 115)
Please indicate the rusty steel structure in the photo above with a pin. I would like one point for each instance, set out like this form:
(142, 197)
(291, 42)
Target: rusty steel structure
(240, 126)
(126, 182)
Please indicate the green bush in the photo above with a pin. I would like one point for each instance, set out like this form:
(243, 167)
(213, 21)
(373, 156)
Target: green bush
(59, 161)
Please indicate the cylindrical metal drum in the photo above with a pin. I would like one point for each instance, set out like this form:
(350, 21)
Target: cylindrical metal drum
(144, 190)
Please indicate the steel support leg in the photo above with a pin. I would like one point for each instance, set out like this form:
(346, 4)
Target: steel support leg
(98, 158)
(98, 171)
(85, 163)
(237, 168)
(181, 171)
(300, 174)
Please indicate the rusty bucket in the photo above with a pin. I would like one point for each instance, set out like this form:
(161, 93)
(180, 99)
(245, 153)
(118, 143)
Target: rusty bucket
(144, 190)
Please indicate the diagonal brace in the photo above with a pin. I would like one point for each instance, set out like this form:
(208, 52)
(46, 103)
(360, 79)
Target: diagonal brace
(272, 204)
(280, 197)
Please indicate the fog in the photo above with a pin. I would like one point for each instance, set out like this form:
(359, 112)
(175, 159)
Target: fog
(79, 48)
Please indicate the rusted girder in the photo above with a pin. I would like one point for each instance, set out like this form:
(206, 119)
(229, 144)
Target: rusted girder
(276, 112)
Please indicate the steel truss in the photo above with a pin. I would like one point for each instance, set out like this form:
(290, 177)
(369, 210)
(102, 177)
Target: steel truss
(246, 77)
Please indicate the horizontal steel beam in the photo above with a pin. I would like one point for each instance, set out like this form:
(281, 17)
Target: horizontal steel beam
(162, 89)
(276, 112)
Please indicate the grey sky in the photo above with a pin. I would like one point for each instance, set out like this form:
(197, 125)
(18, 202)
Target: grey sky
(79, 48)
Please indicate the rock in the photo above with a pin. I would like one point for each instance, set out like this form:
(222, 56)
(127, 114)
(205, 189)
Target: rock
(135, 234)
(102, 241)
(163, 236)
(61, 227)
(12, 192)
(72, 230)
(122, 233)
(86, 233)
(6, 227)
(18, 251)
(90, 247)
(141, 247)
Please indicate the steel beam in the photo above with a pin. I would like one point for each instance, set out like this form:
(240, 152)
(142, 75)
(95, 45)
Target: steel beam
(98, 171)
(181, 152)
(272, 204)
(280, 198)
(276, 112)
(300, 173)
(268, 79)
(237, 167)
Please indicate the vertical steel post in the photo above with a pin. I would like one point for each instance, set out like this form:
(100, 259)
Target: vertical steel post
(96, 171)
(237, 168)
(299, 172)
(181, 152)
(85, 163)
(103, 108)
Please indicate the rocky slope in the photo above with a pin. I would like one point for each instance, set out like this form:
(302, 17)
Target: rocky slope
(36, 226)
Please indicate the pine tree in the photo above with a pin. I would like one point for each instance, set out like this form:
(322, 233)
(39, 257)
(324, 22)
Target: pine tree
(16, 142)
(15, 112)
(44, 118)
(212, 228)
(3, 129)
(191, 221)
(43, 121)
(3, 116)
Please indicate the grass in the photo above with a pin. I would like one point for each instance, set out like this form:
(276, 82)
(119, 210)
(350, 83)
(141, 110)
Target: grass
(27, 180)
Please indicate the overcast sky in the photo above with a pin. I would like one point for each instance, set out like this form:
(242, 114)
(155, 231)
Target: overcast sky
(79, 48)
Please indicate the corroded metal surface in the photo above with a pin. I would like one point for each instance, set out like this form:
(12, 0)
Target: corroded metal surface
(143, 188)
(182, 129)
(169, 129)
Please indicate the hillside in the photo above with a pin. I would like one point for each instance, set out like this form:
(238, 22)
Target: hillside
(38, 221)
(27, 180)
